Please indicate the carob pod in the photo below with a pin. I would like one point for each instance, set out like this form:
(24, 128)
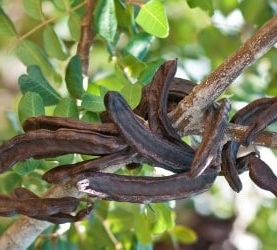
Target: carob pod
(245, 116)
(44, 143)
(143, 189)
(54, 210)
(159, 151)
(216, 122)
(64, 173)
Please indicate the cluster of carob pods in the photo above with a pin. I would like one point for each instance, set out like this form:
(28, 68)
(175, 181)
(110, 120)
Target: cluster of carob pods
(143, 135)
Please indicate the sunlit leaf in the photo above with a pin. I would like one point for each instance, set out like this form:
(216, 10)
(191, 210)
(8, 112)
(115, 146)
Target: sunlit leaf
(66, 108)
(142, 229)
(105, 20)
(92, 103)
(152, 18)
(30, 105)
(132, 94)
(131, 66)
(53, 45)
(33, 9)
(111, 82)
(7, 28)
(35, 81)
(164, 218)
(74, 23)
(74, 78)
(184, 234)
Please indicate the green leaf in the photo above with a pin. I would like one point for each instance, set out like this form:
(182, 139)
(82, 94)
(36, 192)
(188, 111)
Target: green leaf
(30, 105)
(142, 229)
(132, 94)
(131, 66)
(206, 5)
(36, 82)
(164, 218)
(30, 54)
(74, 78)
(148, 73)
(138, 46)
(53, 46)
(152, 18)
(111, 82)
(66, 108)
(33, 9)
(91, 117)
(92, 103)
(74, 23)
(105, 20)
(7, 28)
(184, 234)
(26, 167)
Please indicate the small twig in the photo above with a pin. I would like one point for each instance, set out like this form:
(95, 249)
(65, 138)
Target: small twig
(87, 35)
(186, 115)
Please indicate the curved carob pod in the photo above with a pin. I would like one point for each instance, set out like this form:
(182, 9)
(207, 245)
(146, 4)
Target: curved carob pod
(58, 218)
(55, 123)
(216, 122)
(54, 210)
(44, 143)
(245, 116)
(159, 151)
(158, 120)
(261, 174)
(64, 173)
(143, 189)
(262, 120)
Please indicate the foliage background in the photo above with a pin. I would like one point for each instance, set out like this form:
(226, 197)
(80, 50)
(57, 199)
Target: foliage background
(125, 54)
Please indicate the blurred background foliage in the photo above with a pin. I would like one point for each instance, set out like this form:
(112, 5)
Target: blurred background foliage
(40, 74)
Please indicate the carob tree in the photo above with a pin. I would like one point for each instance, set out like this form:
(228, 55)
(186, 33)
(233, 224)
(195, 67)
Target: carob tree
(151, 133)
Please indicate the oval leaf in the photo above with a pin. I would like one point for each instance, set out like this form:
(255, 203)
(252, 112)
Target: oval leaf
(92, 103)
(66, 108)
(74, 24)
(31, 104)
(183, 234)
(36, 82)
(30, 54)
(33, 9)
(152, 18)
(53, 45)
(74, 78)
(132, 94)
(6, 26)
(105, 19)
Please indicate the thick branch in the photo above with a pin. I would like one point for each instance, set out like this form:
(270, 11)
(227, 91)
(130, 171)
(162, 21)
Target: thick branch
(184, 117)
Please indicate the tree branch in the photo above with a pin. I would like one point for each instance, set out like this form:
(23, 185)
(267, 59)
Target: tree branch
(186, 115)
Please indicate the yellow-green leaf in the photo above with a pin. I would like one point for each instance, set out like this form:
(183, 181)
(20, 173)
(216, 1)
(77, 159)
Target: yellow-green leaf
(54, 46)
(6, 26)
(183, 234)
(30, 105)
(33, 9)
(152, 18)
